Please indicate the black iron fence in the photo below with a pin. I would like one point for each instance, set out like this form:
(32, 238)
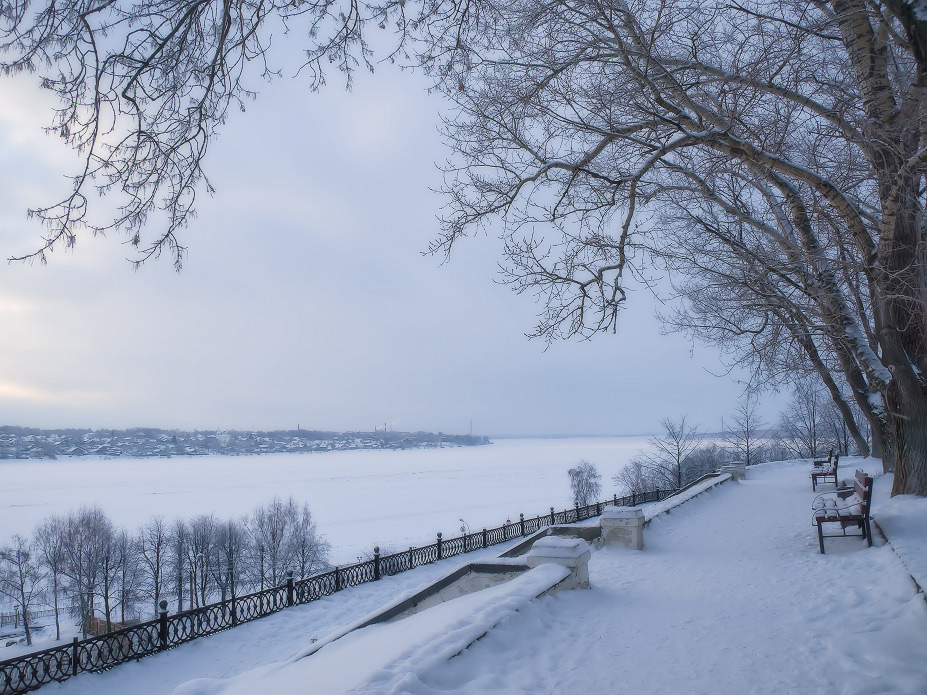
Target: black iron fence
(24, 673)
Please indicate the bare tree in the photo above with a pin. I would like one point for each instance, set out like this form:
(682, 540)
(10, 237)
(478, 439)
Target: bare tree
(744, 433)
(636, 477)
(794, 147)
(152, 550)
(199, 555)
(585, 482)
(89, 532)
(665, 464)
(801, 423)
(177, 557)
(308, 552)
(230, 551)
(128, 574)
(271, 528)
(50, 537)
(20, 579)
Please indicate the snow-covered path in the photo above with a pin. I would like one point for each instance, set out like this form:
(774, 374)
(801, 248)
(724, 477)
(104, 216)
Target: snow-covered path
(730, 595)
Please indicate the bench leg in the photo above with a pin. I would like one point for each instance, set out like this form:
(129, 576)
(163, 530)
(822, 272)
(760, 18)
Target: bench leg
(868, 534)
(821, 537)
(813, 484)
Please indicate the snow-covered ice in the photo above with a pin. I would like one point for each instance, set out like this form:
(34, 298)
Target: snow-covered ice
(359, 499)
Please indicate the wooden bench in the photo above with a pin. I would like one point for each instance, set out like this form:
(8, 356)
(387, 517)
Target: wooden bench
(823, 470)
(848, 507)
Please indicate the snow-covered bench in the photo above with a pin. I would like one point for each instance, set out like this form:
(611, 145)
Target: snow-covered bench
(847, 506)
(824, 469)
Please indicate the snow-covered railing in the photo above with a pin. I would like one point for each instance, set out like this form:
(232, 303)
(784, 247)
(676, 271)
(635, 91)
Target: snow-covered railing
(24, 673)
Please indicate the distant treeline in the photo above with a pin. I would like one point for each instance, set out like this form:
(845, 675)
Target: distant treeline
(30, 442)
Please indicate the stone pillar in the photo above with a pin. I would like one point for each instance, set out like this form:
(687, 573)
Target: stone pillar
(738, 471)
(569, 552)
(624, 525)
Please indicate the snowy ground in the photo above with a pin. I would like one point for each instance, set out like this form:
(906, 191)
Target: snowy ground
(730, 595)
(359, 499)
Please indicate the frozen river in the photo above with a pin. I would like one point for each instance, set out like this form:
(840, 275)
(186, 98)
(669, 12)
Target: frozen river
(359, 499)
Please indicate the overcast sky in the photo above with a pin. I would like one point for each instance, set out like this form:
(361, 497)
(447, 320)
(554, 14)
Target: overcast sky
(305, 299)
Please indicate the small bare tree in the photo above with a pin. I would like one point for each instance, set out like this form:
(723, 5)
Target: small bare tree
(50, 547)
(89, 532)
(152, 551)
(586, 483)
(308, 552)
(230, 557)
(801, 423)
(271, 528)
(665, 464)
(744, 434)
(177, 557)
(199, 553)
(20, 579)
(128, 574)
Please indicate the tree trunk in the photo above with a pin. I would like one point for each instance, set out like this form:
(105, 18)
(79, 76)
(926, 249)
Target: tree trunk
(26, 626)
(907, 401)
(57, 616)
(106, 606)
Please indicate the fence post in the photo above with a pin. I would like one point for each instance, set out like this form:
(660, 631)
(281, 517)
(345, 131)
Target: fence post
(162, 624)
(411, 565)
(337, 578)
(576, 505)
(234, 611)
(290, 598)
(615, 499)
(484, 537)
(598, 509)
(633, 500)
(521, 517)
(551, 516)
(376, 562)
(439, 545)
(75, 657)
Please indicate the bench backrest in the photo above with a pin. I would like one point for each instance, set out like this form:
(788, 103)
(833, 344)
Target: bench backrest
(862, 486)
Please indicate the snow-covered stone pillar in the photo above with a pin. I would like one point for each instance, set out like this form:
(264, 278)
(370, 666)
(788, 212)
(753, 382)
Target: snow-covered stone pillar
(623, 525)
(569, 552)
(738, 471)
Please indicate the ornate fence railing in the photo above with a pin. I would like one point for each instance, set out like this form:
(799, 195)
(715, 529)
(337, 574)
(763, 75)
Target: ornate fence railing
(24, 673)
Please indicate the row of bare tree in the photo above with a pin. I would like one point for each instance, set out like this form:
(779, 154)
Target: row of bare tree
(82, 564)
(809, 426)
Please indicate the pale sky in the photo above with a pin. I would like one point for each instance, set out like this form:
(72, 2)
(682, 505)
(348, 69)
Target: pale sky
(305, 298)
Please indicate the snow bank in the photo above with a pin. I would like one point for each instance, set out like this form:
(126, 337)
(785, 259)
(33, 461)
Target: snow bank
(390, 657)
(903, 520)
(657, 508)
